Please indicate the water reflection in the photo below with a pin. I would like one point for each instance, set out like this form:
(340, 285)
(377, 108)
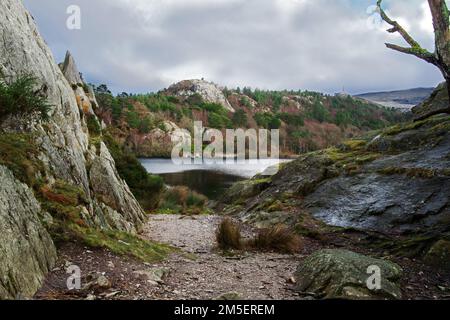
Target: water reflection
(210, 180)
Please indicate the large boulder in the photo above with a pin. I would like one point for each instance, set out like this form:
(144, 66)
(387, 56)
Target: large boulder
(342, 274)
(439, 255)
(26, 249)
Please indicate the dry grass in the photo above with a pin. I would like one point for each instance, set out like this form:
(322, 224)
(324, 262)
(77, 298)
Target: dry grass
(228, 235)
(279, 239)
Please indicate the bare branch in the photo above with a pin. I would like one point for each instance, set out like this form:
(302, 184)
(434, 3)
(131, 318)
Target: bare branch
(415, 48)
(396, 27)
(418, 52)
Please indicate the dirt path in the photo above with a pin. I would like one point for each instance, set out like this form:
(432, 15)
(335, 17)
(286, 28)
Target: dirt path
(198, 271)
(210, 274)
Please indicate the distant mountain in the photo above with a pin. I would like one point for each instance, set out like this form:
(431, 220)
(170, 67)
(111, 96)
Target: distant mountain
(401, 99)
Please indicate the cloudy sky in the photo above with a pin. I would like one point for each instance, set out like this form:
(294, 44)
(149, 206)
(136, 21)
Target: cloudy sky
(324, 45)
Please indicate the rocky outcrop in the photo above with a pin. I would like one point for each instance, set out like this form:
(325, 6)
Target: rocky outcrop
(124, 213)
(342, 274)
(394, 183)
(27, 251)
(64, 146)
(437, 103)
(208, 91)
(70, 70)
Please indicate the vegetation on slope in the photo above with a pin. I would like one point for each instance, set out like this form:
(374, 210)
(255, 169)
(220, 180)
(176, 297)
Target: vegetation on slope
(307, 120)
(20, 98)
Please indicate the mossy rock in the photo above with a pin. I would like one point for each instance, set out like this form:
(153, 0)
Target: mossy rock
(342, 274)
(439, 255)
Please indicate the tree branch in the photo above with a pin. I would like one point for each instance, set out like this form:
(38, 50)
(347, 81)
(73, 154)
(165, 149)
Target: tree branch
(415, 48)
(418, 52)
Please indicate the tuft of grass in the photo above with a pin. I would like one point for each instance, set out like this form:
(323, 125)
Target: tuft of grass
(278, 238)
(229, 236)
(21, 97)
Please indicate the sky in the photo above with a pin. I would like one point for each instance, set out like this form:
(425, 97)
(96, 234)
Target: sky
(323, 45)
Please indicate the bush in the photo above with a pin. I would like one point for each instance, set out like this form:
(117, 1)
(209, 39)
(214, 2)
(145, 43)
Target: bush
(228, 235)
(181, 200)
(94, 126)
(20, 97)
(279, 238)
(145, 187)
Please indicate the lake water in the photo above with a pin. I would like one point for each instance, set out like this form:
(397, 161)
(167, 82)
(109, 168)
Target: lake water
(210, 180)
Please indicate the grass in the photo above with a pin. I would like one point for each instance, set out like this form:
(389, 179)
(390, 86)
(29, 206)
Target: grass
(182, 200)
(277, 239)
(18, 152)
(63, 202)
(125, 244)
(229, 236)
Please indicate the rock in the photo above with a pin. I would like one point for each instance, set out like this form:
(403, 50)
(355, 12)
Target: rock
(229, 296)
(103, 282)
(90, 297)
(65, 152)
(208, 91)
(64, 139)
(70, 70)
(341, 274)
(437, 102)
(27, 251)
(439, 255)
(155, 276)
(124, 212)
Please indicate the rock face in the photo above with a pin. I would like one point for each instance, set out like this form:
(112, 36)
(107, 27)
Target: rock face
(395, 183)
(436, 103)
(341, 274)
(70, 70)
(209, 92)
(27, 251)
(64, 149)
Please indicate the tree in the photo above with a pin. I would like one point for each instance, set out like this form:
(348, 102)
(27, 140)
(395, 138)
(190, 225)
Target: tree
(441, 56)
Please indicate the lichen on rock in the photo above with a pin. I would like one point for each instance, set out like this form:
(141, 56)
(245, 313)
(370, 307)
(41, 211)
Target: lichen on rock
(342, 274)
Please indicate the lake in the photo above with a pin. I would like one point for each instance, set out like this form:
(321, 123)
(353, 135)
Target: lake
(210, 180)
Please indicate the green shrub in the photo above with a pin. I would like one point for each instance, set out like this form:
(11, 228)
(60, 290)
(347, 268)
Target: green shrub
(145, 187)
(181, 200)
(94, 126)
(240, 119)
(20, 97)
(218, 121)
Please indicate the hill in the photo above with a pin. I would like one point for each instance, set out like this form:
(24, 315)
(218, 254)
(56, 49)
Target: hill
(307, 121)
(401, 99)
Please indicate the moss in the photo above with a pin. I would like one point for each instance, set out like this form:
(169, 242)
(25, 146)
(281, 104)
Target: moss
(433, 122)
(19, 153)
(124, 244)
(411, 172)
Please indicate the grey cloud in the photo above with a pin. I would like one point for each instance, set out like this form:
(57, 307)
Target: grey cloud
(313, 44)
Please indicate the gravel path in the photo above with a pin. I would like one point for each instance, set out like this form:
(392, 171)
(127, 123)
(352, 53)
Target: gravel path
(210, 274)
